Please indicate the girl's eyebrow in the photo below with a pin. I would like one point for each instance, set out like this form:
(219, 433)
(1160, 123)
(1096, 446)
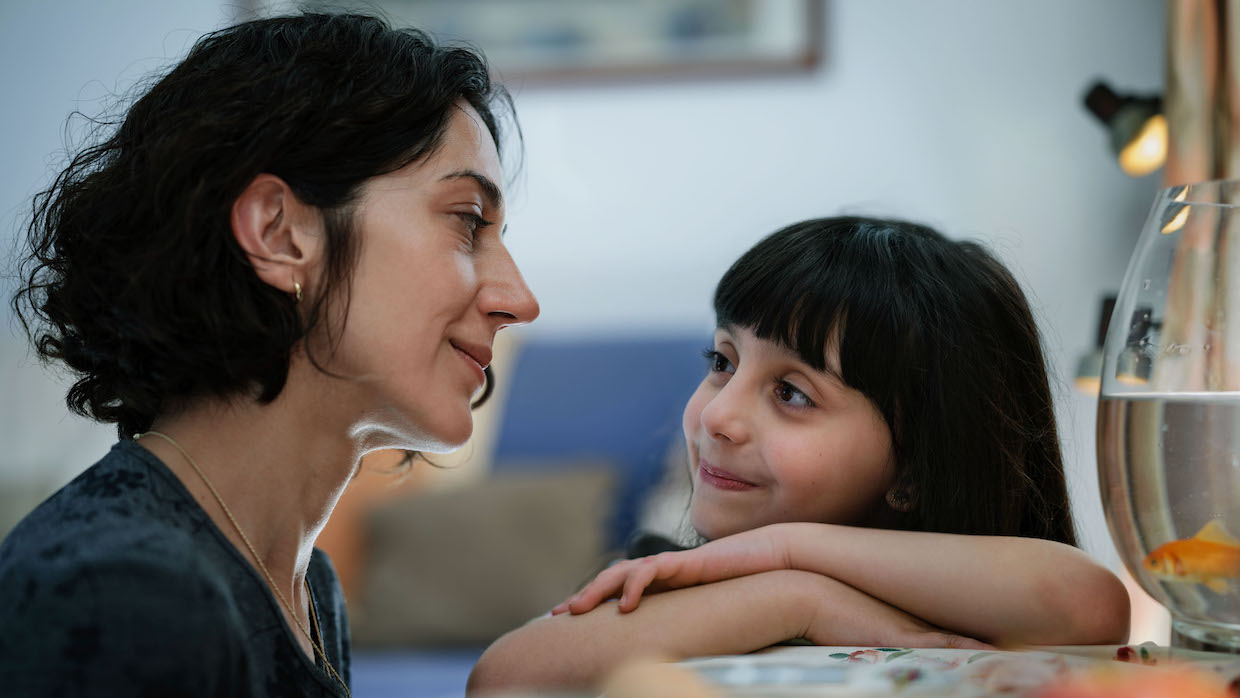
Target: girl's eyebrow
(832, 375)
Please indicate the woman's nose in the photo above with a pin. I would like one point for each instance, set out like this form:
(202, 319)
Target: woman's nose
(506, 298)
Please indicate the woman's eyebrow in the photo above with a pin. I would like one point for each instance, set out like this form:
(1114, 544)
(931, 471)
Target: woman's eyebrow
(492, 193)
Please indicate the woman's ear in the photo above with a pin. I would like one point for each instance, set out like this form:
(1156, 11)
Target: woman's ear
(280, 234)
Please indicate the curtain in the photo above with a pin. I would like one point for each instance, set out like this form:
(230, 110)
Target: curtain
(1201, 104)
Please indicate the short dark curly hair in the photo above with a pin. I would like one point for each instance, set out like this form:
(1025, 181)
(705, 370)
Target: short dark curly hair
(133, 278)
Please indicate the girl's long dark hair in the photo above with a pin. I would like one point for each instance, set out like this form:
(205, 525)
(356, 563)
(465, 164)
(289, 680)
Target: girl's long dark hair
(134, 280)
(938, 335)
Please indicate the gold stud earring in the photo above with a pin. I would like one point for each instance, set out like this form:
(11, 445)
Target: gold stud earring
(297, 290)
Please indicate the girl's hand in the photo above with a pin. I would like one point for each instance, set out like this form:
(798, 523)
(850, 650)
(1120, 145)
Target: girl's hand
(739, 555)
(631, 578)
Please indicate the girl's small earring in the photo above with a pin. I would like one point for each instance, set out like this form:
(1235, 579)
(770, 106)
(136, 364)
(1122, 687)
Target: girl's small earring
(898, 501)
(297, 290)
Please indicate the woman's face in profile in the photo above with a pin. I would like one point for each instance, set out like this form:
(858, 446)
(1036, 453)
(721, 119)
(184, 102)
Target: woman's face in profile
(432, 285)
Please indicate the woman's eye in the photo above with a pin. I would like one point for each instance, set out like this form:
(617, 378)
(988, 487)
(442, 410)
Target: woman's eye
(473, 222)
(788, 393)
(718, 362)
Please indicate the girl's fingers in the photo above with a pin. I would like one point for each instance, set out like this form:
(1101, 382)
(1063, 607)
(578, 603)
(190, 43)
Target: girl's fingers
(637, 582)
(952, 641)
(629, 579)
(604, 586)
(967, 643)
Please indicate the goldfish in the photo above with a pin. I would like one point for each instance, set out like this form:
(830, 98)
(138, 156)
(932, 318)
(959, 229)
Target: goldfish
(1210, 558)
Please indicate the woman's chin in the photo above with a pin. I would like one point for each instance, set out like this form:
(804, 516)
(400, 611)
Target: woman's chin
(445, 434)
(450, 439)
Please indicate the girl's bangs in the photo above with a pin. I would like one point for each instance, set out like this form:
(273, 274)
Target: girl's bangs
(786, 291)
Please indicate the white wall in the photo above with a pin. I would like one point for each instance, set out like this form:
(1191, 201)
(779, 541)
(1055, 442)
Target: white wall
(965, 114)
(961, 113)
(56, 57)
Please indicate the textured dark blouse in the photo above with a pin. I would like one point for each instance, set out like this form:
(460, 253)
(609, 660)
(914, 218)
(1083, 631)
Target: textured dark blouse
(121, 585)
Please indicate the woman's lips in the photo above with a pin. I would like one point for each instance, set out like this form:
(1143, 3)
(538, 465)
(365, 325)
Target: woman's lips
(476, 366)
(721, 479)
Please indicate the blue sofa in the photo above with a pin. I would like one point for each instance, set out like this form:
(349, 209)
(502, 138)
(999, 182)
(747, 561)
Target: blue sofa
(617, 401)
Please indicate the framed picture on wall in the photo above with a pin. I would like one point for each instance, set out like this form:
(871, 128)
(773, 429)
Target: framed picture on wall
(538, 41)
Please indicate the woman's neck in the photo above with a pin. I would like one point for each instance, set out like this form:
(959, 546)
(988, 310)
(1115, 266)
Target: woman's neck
(279, 469)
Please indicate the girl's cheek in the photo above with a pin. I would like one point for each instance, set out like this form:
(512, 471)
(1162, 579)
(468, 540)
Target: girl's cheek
(693, 411)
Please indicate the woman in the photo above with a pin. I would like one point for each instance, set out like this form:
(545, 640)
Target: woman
(287, 256)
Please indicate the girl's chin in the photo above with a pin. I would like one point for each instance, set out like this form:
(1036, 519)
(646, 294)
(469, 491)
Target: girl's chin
(712, 528)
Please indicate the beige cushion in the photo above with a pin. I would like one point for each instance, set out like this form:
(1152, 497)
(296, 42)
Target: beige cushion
(464, 566)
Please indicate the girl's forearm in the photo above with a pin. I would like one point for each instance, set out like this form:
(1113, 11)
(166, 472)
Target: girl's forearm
(573, 651)
(1002, 590)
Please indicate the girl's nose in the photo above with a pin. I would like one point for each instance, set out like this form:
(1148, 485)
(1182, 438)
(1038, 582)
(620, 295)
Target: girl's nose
(726, 416)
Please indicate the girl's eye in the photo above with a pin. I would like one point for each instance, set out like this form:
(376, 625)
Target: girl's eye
(788, 394)
(718, 362)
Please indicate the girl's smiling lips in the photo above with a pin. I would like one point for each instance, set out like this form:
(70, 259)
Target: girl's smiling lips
(722, 479)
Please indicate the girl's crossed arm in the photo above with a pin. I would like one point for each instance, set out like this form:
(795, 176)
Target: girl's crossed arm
(1004, 590)
(731, 616)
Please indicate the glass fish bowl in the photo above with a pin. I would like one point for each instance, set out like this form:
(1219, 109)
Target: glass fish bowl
(1169, 413)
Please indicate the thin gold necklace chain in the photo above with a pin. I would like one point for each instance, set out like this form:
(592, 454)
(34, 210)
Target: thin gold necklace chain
(272, 582)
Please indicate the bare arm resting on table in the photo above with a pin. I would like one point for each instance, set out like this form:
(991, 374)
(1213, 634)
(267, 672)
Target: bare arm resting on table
(1004, 590)
(732, 616)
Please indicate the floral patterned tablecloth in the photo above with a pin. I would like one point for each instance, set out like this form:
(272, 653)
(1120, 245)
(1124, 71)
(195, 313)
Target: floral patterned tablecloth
(875, 671)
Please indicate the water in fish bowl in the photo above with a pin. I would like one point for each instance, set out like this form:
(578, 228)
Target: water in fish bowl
(1169, 470)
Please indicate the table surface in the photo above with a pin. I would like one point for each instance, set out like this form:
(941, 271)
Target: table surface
(860, 671)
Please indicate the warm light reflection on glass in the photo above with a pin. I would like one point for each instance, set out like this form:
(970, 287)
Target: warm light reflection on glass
(1090, 385)
(1181, 217)
(1131, 379)
(1177, 222)
(1148, 150)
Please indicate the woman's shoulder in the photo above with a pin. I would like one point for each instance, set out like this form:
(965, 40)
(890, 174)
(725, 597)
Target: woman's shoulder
(113, 582)
(119, 533)
(122, 532)
(126, 507)
(120, 624)
(116, 613)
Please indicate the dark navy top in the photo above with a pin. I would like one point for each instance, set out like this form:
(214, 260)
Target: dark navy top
(121, 585)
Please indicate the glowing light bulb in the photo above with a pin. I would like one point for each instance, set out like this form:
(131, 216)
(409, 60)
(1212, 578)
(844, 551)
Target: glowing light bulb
(1147, 151)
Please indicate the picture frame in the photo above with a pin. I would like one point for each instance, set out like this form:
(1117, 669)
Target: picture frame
(559, 41)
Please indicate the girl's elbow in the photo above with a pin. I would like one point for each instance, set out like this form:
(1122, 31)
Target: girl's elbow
(1114, 611)
(483, 678)
(496, 671)
(529, 661)
(1099, 611)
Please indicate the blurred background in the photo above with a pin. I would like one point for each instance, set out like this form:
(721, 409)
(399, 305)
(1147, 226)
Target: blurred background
(661, 140)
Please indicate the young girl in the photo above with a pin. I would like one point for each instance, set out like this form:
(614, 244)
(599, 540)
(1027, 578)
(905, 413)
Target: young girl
(874, 461)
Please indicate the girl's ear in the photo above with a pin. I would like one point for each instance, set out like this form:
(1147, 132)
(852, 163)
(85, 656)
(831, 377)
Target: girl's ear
(899, 498)
(281, 235)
